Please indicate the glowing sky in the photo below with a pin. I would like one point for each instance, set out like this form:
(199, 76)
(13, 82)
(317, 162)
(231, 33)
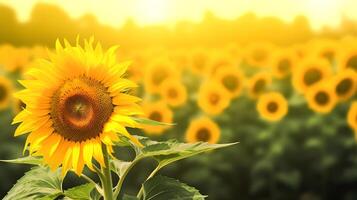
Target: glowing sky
(115, 12)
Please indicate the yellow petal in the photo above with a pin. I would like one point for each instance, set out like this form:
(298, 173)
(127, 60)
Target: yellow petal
(98, 153)
(75, 155)
(31, 125)
(88, 154)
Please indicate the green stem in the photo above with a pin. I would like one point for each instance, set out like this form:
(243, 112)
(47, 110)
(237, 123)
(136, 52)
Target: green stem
(88, 179)
(122, 178)
(140, 193)
(107, 182)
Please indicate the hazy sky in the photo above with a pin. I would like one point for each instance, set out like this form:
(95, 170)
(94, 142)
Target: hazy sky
(115, 12)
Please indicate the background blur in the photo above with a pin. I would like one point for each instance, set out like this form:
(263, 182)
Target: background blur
(215, 60)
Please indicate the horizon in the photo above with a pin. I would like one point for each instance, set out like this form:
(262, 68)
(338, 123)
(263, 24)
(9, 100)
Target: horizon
(161, 12)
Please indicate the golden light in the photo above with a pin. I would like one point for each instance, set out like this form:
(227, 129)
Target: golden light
(153, 11)
(321, 10)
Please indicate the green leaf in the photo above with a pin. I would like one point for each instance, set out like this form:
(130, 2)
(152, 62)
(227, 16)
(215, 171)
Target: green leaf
(150, 122)
(129, 197)
(95, 194)
(38, 183)
(119, 166)
(171, 151)
(81, 192)
(25, 160)
(163, 188)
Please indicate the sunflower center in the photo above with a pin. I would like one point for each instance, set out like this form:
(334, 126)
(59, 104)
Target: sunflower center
(322, 98)
(329, 55)
(80, 108)
(352, 62)
(284, 65)
(272, 107)
(203, 135)
(259, 86)
(312, 76)
(3, 92)
(344, 86)
(214, 98)
(159, 76)
(156, 116)
(259, 55)
(230, 82)
(172, 93)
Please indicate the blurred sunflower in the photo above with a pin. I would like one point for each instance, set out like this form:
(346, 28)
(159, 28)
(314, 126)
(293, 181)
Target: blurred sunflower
(18, 105)
(14, 59)
(231, 79)
(157, 73)
(300, 50)
(326, 49)
(321, 98)
(259, 54)
(6, 91)
(258, 84)
(136, 70)
(345, 84)
(272, 106)
(352, 116)
(203, 130)
(219, 60)
(199, 62)
(180, 58)
(159, 112)
(309, 73)
(283, 62)
(173, 92)
(213, 98)
(76, 103)
(348, 59)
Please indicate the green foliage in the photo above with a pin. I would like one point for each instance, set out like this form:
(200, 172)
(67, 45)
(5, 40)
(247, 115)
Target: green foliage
(81, 192)
(41, 183)
(25, 160)
(150, 122)
(163, 188)
(164, 153)
(38, 183)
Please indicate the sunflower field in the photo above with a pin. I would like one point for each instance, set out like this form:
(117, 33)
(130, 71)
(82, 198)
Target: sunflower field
(288, 100)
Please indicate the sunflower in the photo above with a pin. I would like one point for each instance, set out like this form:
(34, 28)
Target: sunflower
(321, 97)
(259, 54)
(345, 84)
(136, 70)
(203, 130)
(157, 73)
(348, 59)
(213, 98)
(309, 73)
(326, 49)
(199, 62)
(300, 50)
(352, 116)
(272, 106)
(258, 84)
(18, 105)
(13, 58)
(231, 79)
(173, 92)
(283, 63)
(76, 104)
(159, 112)
(219, 60)
(6, 91)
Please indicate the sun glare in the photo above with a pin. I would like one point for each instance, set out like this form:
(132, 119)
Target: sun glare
(153, 11)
